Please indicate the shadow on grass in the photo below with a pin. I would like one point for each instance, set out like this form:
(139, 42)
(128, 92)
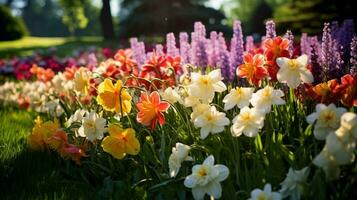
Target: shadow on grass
(37, 175)
(25, 174)
(63, 50)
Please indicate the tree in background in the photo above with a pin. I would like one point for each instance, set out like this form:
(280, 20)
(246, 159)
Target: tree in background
(106, 20)
(12, 28)
(73, 14)
(296, 15)
(309, 15)
(158, 17)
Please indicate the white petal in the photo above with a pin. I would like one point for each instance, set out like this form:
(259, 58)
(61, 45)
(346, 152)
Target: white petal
(219, 87)
(209, 160)
(190, 181)
(204, 132)
(223, 172)
(311, 118)
(320, 107)
(198, 193)
(214, 189)
(215, 75)
(306, 76)
(267, 188)
(282, 62)
(302, 60)
(81, 131)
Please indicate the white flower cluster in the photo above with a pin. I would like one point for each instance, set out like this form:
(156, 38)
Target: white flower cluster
(339, 147)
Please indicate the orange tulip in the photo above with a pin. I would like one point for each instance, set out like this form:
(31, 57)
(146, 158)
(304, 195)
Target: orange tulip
(275, 48)
(151, 109)
(253, 69)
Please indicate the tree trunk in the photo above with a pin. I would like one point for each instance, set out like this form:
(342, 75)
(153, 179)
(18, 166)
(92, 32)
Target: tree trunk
(106, 20)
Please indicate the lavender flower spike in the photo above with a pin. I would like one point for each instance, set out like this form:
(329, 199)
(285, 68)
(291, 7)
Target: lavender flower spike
(223, 61)
(138, 49)
(353, 59)
(330, 55)
(249, 43)
(270, 29)
(171, 49)
(199, 54)
(289, 35)
(237, 50)
(213, 49)
(184, 48)
(305, 44)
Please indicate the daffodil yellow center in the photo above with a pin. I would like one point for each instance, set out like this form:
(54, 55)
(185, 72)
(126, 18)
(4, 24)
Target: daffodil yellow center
(204, 80)
(328, 116)
(238, 92)
(150, 110)
(266, 93)
(202, 172)
(262, 196)
(246, 117)
(90, 124)
(293, 65)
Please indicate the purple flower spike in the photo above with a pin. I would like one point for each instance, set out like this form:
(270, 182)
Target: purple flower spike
(353, 60)
(237, 51)
(199, 54)
(171, 49)
(213, 49)
(159, 49)
(331, 60)
(138, 49)
(270, 29)
(223, 61)
(305, 44)
(314, 57)
(289, 35)
(184, 48)
(249, 43)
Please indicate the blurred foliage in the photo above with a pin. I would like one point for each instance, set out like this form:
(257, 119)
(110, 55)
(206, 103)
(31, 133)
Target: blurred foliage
(73, 14)
(44, 17)
(296, 15)
(12, 28)
(309, 15)
(158, 17)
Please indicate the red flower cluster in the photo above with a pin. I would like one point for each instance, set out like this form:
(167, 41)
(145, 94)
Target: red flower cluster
(42, 74)
(161, 71)
(258, 63)
(332, 91)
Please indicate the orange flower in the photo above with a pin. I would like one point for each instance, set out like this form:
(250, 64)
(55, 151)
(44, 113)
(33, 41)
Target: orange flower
(42, 74)
(121, 142)
(275, 48)
(349, 83)
(150, 109)
(74, 153)
(58, 141)
(327, 92)
(127, 63)
(69, 72)
(37, 140)
(253, 68)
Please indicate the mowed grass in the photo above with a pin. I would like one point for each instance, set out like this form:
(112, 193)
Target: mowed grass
(27, 45)
(25, 174)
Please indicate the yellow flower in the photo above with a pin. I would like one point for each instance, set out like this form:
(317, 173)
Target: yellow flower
(121, 142)
(81, 80)
(113, 98)
(37, 140)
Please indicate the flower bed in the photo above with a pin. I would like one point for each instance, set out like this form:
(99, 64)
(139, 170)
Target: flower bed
(201, 119)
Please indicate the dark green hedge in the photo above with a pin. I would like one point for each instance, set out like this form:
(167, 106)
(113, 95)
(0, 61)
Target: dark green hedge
(11, 28)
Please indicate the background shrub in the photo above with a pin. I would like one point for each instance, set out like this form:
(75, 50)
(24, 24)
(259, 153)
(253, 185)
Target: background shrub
(12, 28)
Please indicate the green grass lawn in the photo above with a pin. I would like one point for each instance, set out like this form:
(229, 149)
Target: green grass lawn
(32, 175)
(64, 46)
